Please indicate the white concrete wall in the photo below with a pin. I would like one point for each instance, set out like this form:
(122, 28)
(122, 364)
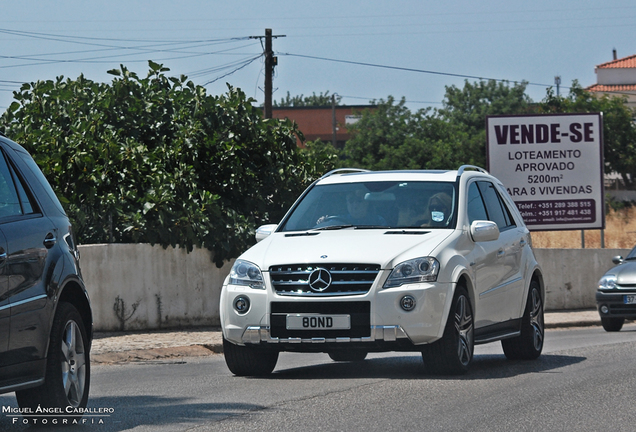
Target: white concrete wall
(138, 286)
(571, 275)
(151, 287)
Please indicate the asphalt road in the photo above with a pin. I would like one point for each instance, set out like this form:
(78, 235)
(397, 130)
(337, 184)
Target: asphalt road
(584, 381)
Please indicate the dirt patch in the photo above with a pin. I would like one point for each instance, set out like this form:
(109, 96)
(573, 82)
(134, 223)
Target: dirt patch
(155, 354)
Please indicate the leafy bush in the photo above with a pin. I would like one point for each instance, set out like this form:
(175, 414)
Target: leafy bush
(157, 160)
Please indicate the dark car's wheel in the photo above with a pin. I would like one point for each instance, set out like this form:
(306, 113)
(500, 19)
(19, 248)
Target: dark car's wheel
(612, 324)
(453, 353)
(67, 378)
(249, 361)
(348, 356)
(529, 344)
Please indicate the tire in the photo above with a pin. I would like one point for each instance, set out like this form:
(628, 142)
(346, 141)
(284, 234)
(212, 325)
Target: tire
(452, 354)
(67, 380)
(348, 356)
(529, 344)
(249, 361)
(612, 324)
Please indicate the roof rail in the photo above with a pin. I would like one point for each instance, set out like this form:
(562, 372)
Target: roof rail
(463, 168)
(340, 170)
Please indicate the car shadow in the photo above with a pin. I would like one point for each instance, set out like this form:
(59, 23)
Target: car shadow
(132, 411)
(485, 366)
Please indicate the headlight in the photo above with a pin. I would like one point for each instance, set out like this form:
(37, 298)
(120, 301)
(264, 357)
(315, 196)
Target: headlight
(246, 273)
(607, 282)
(413, 271)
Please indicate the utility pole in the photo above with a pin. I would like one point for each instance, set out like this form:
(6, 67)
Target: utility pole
(333, 119)
(270, 62)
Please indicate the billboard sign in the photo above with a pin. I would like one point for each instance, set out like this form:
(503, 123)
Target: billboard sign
(552, 167)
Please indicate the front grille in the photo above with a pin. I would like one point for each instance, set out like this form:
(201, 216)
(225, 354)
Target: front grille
(346, 279)
(360, 313)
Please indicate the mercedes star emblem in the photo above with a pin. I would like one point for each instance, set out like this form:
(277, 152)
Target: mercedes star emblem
(319, 279)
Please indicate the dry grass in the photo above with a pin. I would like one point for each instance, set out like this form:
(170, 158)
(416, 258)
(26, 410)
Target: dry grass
(620, 233)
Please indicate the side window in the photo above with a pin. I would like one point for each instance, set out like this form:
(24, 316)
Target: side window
(496, 208)
(476, 209)
(14, 199)
(9, 201)
(27, 206)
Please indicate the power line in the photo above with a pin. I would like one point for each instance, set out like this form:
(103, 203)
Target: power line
(410, 69)
(235, 70)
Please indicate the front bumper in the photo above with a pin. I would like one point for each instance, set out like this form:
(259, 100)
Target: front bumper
(378, 322)
(382, 338)
(614, 303)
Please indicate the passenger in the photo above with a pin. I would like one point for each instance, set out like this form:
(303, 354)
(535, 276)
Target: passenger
(439, 209)
(412, 211)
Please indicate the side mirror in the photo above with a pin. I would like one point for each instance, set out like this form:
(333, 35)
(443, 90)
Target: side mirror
(264, 231)
(482, 231)
(617, 260)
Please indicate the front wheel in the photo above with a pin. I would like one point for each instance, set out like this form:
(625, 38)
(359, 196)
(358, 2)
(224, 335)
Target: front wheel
(612, 324)
(67, 378)
(249, 361)
(453, 353)
(529, 344)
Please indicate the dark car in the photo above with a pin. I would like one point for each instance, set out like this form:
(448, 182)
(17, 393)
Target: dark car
(46, 323)
(616, 293)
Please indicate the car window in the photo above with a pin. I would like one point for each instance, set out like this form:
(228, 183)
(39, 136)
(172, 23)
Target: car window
(476, 208)
(496, 208)
(14, 199)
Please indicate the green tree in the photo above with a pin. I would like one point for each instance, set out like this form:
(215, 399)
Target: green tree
(619, 131)
(323, 99)
(157, 160)
(393, 137)
(467, 109)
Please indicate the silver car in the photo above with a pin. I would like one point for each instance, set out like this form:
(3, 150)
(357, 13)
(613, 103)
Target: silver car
(616, 293)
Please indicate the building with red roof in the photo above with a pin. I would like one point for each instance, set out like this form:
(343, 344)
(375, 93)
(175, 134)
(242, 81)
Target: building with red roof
(617, 78)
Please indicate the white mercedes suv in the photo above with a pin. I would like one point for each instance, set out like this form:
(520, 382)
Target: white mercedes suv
(365, 261)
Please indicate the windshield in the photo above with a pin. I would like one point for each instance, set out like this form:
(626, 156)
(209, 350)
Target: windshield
(375, 205)
(632, 255)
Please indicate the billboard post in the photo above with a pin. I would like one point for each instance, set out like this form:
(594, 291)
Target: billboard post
(552, 167)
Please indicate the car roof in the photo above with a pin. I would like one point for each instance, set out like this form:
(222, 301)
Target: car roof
(354, 175)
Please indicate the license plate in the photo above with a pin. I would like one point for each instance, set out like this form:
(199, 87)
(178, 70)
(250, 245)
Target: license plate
(322, 322)
(629, 299)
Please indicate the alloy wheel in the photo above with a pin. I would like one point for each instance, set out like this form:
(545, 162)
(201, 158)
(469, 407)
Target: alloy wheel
(73, 363)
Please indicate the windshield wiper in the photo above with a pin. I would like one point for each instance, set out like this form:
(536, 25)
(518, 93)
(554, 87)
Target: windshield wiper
(371, 227)
(333, 227)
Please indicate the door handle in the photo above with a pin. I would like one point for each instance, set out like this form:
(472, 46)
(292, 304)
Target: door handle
(3, 255)
(500, 253)
(49, 241)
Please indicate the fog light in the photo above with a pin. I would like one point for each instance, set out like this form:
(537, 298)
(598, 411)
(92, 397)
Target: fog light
(407, 303)
(242, 304)
(604, 309)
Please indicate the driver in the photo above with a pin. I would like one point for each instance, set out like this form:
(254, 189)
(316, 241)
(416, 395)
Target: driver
(358, 212)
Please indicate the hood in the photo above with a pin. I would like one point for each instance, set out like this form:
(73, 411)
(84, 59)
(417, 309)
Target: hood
(625, 273)
(345, 246)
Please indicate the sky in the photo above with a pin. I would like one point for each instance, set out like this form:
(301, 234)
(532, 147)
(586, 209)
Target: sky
(361, 50)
